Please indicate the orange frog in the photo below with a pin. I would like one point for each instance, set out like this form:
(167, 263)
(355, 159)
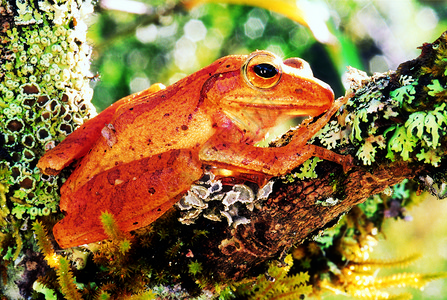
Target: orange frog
(142, 153)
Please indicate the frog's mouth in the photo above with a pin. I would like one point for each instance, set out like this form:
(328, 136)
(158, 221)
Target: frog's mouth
(272, 107)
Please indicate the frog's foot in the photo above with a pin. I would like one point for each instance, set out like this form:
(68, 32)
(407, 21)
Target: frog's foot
(346, 161)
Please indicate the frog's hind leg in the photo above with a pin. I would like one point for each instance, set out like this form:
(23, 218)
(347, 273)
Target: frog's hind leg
(136, 193)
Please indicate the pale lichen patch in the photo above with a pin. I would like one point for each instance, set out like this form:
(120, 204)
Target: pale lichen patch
(48, 59)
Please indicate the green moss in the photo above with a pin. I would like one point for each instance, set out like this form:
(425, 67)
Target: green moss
(278, 284)
(195, 267)
(66, 280)
(48, 293)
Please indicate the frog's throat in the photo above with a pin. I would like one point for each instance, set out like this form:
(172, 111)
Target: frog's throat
(257, 123)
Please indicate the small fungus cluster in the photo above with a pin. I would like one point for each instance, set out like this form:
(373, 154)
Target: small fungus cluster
(44, 96)
(213, 200)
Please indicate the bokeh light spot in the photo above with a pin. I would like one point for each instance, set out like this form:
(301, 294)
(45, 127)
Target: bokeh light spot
(379, 63)
(139, 83)
(184, 53)
(147, 34)
(214, 39)
(427, 18)
(195, 30)
(254, 28)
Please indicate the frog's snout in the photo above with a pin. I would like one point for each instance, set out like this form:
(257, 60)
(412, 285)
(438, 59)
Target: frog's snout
(301, 69)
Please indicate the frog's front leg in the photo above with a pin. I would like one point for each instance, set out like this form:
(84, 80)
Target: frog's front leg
(271, 161)
(276, 161)
(136, 193)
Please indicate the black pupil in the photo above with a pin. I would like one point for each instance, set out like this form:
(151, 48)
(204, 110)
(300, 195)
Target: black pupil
(265, 70)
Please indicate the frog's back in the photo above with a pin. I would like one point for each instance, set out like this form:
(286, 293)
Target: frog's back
(169, 119)
(148, 124)
(152, 124)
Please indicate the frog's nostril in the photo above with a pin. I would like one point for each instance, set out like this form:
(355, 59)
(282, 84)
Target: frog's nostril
(294, 63)
(301, 66)
(297, 63)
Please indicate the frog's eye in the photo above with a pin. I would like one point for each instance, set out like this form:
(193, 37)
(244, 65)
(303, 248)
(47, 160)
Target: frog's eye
(262, 70)
(265, 70)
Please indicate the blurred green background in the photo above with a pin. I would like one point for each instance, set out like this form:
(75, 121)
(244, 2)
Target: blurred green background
(138, 43)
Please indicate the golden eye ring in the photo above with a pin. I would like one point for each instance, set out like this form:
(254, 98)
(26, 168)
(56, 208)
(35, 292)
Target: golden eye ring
(262, 70)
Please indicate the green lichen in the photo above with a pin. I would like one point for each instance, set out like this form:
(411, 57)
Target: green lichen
(331, 135)
(368, 150)
(404, 94)
(45, 95)
(431, 157)
(4, 210)
(435, 88)
(306, 171)
(422, 130)
(406, 123)
(328, 202)
(427, 126)
(401, 143)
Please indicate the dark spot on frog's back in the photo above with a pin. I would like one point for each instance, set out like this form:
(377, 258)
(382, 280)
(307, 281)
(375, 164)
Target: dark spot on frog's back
(299, 91)
(113, 175)
(227, 66)
(184, 127)
(166, 115)
(151, 191)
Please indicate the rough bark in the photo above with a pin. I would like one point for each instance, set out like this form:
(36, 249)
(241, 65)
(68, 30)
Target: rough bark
(290, 215)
